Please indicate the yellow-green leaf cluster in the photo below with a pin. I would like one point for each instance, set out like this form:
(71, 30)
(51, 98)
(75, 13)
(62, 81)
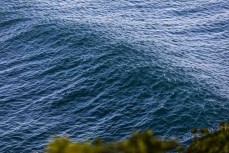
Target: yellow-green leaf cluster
(144, 142)
(215, 142)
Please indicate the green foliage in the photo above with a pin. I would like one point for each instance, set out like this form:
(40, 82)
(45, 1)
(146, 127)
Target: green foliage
(146, 142)
(215, 142)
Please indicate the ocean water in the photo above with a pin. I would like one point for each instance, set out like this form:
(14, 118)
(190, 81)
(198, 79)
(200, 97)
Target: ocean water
(105, 68)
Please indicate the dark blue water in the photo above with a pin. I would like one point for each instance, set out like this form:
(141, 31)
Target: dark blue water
(106, 68)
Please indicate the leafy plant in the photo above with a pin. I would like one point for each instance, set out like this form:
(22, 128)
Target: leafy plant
(146, 142)
(211, 142)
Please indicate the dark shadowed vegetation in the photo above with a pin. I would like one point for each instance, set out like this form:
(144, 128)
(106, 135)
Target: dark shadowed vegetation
(204, 141)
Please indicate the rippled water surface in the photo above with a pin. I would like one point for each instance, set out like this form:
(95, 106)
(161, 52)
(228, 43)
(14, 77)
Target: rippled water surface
(104, 68)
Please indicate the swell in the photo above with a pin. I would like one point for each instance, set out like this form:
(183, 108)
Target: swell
(85, 81)
(101, 70)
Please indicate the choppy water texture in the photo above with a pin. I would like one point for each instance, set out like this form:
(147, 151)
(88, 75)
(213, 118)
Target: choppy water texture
(105, 68)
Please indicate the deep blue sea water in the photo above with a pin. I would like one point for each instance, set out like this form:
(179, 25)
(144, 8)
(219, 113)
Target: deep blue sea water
(88, 68)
